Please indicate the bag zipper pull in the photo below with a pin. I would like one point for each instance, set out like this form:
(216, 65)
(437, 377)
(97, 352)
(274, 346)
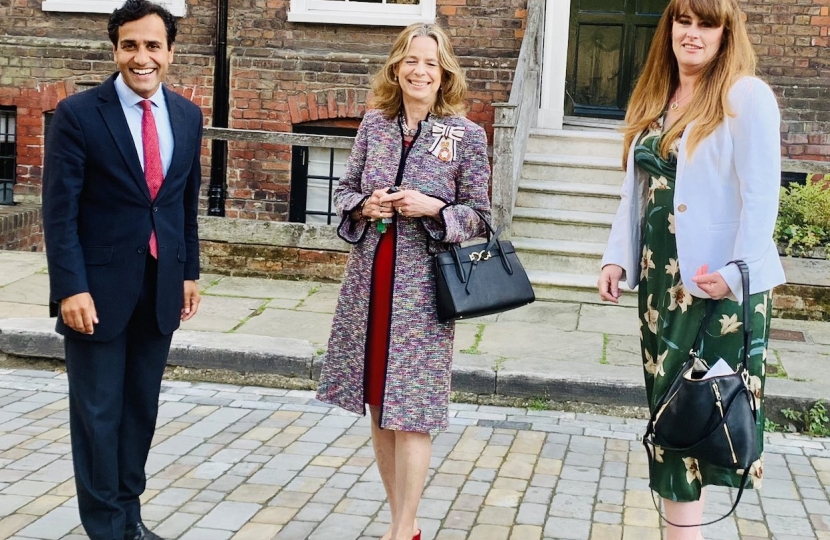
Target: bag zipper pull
(718, 398)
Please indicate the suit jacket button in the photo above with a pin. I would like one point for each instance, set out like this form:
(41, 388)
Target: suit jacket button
(681, 208)
(141, 250)
(155, 209)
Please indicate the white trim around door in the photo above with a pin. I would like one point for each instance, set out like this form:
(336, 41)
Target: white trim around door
(554, 64)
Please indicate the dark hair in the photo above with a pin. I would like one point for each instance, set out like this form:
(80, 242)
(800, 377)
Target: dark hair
(132, 10)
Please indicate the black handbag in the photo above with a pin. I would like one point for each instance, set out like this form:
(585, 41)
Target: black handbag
(480, 279)
(712, 419)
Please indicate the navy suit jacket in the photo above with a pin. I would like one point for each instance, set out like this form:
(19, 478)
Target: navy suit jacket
(98, 215)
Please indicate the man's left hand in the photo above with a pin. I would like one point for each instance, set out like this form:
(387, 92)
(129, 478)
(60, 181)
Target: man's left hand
(191, 299)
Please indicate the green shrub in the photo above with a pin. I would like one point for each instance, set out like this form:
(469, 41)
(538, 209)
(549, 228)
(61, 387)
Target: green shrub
(804, 218)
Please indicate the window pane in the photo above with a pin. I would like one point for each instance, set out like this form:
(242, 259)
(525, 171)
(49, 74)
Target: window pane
(322, 179)
(598, 64)
(7, 155)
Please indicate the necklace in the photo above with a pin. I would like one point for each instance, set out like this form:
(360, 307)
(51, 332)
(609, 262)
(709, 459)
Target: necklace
(676, 103)
(407, 131)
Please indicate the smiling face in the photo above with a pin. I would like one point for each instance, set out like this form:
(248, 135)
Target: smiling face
(142, 54)
(694, 42)
(419, 73)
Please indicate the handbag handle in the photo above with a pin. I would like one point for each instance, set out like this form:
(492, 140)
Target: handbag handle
(747, 338)
(493, 239)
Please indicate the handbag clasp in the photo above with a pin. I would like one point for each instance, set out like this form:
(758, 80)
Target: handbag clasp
(478, 256)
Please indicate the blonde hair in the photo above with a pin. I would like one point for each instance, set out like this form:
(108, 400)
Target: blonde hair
(660, 76)
(450, 99)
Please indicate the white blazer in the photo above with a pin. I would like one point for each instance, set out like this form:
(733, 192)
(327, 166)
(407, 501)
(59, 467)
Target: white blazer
(725, 199)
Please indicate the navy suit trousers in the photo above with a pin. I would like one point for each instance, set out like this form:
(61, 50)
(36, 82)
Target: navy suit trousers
(113, 403)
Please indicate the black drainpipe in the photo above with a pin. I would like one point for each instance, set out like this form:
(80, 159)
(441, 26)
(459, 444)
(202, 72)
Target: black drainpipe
(221, 98)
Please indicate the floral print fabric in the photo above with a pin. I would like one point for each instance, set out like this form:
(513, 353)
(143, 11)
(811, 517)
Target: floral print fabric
(670, 319)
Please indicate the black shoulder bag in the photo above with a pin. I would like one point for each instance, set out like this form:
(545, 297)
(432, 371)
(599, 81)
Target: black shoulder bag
(480, 279)
(711, 419)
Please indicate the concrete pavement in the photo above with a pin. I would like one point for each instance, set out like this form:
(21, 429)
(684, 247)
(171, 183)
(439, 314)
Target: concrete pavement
(249, 463)
(553, 350)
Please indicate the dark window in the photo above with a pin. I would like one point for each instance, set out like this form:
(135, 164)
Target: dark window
(8, 154)
(314, 175)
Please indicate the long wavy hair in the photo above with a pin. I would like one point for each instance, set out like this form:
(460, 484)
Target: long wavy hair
(388, 96)
(660, 77)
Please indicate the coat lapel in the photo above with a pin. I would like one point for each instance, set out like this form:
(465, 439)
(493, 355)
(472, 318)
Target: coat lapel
(178, 124)
(113, 114)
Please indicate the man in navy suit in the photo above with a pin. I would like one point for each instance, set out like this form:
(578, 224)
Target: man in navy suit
(120, 201)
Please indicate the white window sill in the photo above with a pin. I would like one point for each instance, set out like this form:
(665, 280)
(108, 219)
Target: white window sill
(177, 7)
(361, 19)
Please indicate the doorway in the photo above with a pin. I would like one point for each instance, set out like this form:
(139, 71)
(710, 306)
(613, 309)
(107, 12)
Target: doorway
(607, 47)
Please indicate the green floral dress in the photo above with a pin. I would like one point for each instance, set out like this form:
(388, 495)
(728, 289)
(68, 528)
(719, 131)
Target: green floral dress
(670, 318)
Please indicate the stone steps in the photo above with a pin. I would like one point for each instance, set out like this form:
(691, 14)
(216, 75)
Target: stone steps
(567, 256)
(568, 194)
(567, 287)
(579, 169)
(607, 143)
(556, 224)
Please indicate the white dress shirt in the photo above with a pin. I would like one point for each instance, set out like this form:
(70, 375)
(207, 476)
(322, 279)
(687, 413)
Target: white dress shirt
(131, 104)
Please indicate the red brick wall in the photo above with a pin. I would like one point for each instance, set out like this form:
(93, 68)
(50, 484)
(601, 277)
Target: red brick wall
(20, 228)
(791, 40)
(282, 74)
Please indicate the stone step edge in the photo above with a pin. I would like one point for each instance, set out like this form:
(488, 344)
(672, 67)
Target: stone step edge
(567, 281)
(559, 247)
(576, 162)
(610, 136)
(477, 374)
(605, 191)
(569, 217)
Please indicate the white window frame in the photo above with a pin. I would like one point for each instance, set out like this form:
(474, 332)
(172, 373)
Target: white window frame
(363, 13)
(177, 7)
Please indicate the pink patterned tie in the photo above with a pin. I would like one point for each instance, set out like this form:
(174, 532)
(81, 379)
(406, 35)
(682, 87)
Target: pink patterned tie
(152, 161)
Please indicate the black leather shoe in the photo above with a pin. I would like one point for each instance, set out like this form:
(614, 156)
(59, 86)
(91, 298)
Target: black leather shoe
(137, 531)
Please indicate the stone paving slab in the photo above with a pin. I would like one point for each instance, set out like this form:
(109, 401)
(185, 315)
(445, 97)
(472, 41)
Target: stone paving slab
(28, 290)
(9, 310)
(223, 313)
(277, 465)
(262, 288)
(305, 325)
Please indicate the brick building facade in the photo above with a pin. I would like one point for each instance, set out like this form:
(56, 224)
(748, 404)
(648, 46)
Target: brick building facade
(288, 75)
(792, 40)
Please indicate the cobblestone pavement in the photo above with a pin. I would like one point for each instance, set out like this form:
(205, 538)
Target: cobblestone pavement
(232, 462)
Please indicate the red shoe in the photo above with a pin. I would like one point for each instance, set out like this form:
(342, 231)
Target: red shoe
(417, 536)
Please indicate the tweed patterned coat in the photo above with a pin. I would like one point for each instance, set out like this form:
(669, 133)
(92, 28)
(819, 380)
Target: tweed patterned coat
(416, 393)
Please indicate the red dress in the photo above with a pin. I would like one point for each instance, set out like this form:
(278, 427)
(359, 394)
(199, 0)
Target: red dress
(380, 314)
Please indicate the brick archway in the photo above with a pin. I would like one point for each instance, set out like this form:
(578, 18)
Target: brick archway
(327, 104)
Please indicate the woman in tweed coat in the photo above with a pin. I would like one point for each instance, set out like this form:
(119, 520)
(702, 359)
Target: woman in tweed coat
(417, 141)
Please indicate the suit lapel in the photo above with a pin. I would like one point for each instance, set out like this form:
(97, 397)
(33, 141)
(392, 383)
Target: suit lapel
(113, 114)
(179, 126)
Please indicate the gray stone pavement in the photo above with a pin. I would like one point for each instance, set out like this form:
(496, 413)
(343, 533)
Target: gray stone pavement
(557, 350)
(249, 463)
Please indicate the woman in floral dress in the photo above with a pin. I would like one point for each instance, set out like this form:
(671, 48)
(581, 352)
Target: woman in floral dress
(702, 149)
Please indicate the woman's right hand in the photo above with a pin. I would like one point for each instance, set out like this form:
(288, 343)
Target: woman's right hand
(609, 283)
(374, 210)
